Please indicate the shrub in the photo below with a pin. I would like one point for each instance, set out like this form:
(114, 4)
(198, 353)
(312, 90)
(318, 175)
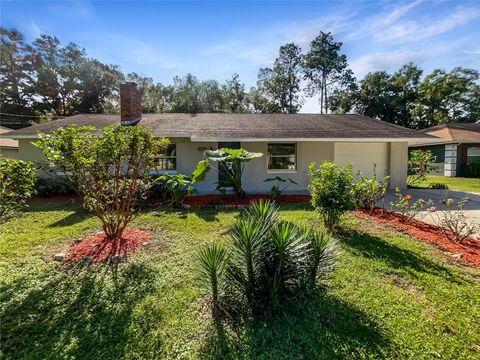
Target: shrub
(367, 192)
(407, 208)
(438, 186)
(54, 185)
(420, 164)
(109, 170)
(451, 219)
(472, 169)
(330, 187)
(17, 185)
(231, 165)
(277, 187)
(269, 262)
(173, 188)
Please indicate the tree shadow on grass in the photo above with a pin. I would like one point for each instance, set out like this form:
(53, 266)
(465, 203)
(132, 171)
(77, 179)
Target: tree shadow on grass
(323, 327)
(81, 313)
(377, 248)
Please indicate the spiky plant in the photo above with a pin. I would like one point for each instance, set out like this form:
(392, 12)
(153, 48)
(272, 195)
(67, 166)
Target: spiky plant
(322, 256)
(213, 262)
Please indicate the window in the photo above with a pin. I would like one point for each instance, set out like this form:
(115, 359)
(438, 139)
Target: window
(168, 162)
(473, 154)
(282, 156)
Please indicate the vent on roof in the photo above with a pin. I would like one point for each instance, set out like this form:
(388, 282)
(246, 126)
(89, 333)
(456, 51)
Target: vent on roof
(130, 104)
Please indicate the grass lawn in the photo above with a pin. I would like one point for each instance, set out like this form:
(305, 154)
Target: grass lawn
(454, 183)
(390, 297)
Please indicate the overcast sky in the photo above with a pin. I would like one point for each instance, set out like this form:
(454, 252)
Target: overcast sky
(213, 40)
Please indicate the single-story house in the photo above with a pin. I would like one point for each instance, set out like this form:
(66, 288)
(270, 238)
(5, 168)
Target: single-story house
(289, 142)
(458, 148)
(8, 147)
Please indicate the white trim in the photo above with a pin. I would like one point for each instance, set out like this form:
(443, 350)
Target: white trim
(368, 140)
(3, 136)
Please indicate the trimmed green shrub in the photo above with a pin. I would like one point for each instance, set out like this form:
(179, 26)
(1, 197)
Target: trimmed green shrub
(331, 190)
(51, 186)
(17, 185)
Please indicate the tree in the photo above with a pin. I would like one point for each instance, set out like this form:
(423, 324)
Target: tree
(109, 170)
(231, 164)
(187, 94)
(156, 98)
(17, 62)
(234, 96)
(445, 97)
(17, 185)
(420, 164)
(280, 85)
(325, 68)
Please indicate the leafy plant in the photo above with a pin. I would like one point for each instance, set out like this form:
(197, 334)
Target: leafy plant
(173, 188)
(472, 169)
(420, 164)
(17, 185)
(110, 170)
(231, 164)
(53, 185)
(271, 261)
(331, 190)
(452, 220)
(367, 192)
(409, 209)
(438, 186)
(277, 187)
(213, 262)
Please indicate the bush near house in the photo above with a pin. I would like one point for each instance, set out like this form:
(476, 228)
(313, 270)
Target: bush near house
(17, 185)
(420, 164)
(109, 170)
(331, 190)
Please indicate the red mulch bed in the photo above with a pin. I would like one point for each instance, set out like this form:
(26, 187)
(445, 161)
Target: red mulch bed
(199, 201)
(100, 248)
(469, 248)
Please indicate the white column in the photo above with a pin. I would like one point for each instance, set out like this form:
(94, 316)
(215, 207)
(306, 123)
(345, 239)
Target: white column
(450, 168)
(398, 164)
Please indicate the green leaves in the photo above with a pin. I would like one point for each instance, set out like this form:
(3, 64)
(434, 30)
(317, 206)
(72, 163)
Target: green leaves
(201, 171)
(17, 184)
(110, 169)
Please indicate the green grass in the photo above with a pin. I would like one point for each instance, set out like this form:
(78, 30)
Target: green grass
(454, 183)
(390, 297)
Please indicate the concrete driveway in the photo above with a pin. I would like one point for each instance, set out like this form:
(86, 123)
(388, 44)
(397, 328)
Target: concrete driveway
(472, 209)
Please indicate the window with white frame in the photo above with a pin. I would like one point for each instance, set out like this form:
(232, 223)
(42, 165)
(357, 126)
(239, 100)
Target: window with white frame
(282, 156)
(168, 161)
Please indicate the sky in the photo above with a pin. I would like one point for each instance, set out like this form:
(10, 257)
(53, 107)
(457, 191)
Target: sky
(215, 39)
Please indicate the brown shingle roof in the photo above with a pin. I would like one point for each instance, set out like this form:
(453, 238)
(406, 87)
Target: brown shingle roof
(246, 126)
(7, 143)
(455, 133)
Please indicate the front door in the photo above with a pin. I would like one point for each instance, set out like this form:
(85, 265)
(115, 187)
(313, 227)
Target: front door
(222, 178)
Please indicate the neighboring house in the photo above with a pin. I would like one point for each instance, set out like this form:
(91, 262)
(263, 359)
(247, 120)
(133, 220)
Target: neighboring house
(458, 148)
(8, 147)
(289, 142)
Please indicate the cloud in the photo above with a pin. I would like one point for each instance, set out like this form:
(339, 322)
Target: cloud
(34, 30)
(73, 9)
(414, 31)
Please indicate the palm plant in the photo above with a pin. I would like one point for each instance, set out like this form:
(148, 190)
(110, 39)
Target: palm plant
(213, 262)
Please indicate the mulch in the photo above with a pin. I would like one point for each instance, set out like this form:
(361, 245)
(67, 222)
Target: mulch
(98, 248)
(468, 250)
(201, 201)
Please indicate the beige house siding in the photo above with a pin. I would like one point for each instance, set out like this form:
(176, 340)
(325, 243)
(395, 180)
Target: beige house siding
(390, 158)
(7, 152)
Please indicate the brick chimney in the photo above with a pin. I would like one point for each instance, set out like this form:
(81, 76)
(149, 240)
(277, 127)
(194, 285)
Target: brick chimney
(130, 104)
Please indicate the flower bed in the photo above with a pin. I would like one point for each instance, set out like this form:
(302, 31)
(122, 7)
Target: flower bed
(469, 250)
(202, 201)
(98, 247)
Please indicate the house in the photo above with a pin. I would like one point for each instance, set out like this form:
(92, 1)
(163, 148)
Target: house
(8, 147)
(289, 142)
(457, 150)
